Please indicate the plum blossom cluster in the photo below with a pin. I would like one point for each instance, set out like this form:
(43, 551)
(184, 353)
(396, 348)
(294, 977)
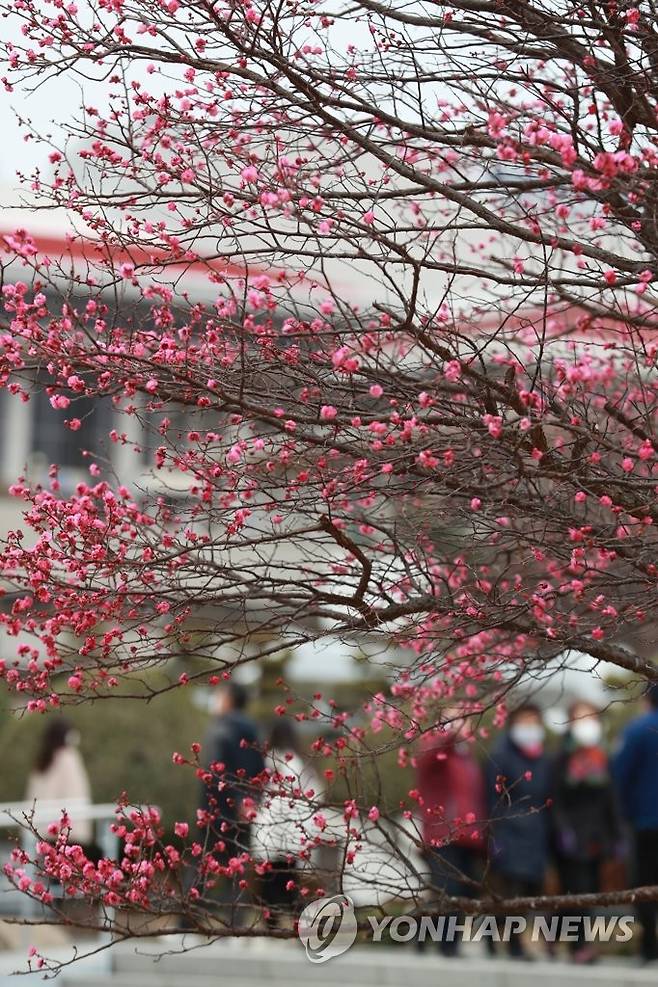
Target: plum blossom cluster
(152, 876)
(551, 498)
(128, 881)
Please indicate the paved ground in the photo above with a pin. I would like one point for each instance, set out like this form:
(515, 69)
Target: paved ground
(255, 963)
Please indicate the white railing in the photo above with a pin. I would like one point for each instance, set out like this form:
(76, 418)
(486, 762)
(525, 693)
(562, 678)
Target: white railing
(40, 813)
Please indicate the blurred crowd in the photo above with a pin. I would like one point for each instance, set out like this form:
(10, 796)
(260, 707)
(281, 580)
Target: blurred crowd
(506, 820)
(569, 813)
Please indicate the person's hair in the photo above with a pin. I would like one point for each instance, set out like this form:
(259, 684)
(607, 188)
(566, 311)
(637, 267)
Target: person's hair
(238, 693)
(53, 739)
(573, 706)
(522, 710)
(652, 695)
(283, 736)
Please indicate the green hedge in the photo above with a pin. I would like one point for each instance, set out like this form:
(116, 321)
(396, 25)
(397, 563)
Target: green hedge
(126, 744)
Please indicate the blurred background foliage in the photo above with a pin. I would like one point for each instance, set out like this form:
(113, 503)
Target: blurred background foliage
(127, 745)
(127, 742)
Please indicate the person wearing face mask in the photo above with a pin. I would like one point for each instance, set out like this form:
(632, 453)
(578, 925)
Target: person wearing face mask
(586, 824)
(519, 775)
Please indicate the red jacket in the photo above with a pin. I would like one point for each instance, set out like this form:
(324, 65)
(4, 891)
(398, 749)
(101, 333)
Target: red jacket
(451, 786)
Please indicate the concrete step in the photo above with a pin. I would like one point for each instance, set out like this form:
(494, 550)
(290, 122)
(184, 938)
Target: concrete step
(174, 980)
(167, 980)
(283, 964)
(286, 963)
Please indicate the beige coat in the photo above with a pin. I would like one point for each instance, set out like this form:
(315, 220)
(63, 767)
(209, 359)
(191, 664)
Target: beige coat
(63, 783)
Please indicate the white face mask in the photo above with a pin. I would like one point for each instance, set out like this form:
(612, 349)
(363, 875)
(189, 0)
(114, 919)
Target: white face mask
(586, 733)
(527, 735)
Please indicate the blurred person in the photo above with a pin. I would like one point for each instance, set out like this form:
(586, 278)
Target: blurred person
(450, 782)
(635, 769)
(519, 776)
(585, 821)
(283, 820)
(232, 745)
(59, 776)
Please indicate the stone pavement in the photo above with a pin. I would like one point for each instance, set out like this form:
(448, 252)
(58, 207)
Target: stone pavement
(253, 963)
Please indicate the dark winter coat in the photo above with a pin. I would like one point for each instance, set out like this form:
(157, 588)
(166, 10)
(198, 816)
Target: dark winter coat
(233, 742)
(635, 770)
(519, 815)
(585, 819)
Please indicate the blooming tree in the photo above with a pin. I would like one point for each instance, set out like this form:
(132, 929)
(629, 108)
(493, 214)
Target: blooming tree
(410, 393)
